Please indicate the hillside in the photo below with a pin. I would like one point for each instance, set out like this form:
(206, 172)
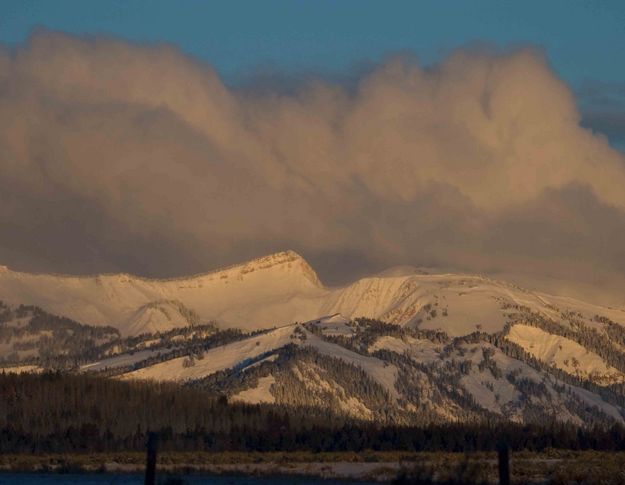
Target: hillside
(385, 373)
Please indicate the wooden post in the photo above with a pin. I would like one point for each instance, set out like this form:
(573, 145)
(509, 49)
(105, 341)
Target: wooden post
(504, 463)
(150, 464)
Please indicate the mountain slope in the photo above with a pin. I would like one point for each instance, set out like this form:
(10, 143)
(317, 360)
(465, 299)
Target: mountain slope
(277, 287)
(456, 304)
(390, 374)
(282, 288)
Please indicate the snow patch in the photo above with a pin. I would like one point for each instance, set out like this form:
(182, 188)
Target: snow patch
(259, 394)
(564, 353)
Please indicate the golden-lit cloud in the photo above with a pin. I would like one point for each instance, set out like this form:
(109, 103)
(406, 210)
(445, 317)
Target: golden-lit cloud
(118, 156)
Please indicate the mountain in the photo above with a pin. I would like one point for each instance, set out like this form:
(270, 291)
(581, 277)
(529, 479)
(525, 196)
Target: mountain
(370, 370)
(401, 346)
(278, 288)
(282, 288)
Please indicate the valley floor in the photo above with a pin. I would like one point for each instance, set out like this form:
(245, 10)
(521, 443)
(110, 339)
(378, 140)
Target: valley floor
(549, 467)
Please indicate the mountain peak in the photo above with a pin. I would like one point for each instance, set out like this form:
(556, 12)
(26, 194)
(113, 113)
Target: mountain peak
(287, 259)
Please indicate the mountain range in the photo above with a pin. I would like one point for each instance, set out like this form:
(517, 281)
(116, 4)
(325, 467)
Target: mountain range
(404, 346)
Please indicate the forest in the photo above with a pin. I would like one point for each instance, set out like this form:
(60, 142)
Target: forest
(67, 413)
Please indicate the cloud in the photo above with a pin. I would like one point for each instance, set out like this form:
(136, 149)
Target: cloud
(126, 157)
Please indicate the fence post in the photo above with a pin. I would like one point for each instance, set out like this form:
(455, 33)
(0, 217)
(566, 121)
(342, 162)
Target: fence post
(503, 456)
(150, 464)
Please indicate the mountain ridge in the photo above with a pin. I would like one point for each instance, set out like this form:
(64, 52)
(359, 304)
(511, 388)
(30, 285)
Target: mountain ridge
(282, 287)
(113, 298)
(402, 346)
(288, 255)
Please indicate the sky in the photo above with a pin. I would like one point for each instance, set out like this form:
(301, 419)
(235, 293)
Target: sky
(164, 138)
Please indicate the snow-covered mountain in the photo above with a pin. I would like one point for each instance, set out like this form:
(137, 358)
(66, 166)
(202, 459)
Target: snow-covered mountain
(274, 289)
(374, 371)
(280, 289)
(403, 345)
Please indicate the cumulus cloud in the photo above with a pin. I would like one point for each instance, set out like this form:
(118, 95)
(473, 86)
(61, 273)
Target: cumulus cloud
(125, 157)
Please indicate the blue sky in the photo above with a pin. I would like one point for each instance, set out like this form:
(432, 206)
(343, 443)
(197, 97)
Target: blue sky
(583, 40)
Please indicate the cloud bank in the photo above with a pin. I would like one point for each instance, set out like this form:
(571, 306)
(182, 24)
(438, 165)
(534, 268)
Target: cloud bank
(123, 157)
